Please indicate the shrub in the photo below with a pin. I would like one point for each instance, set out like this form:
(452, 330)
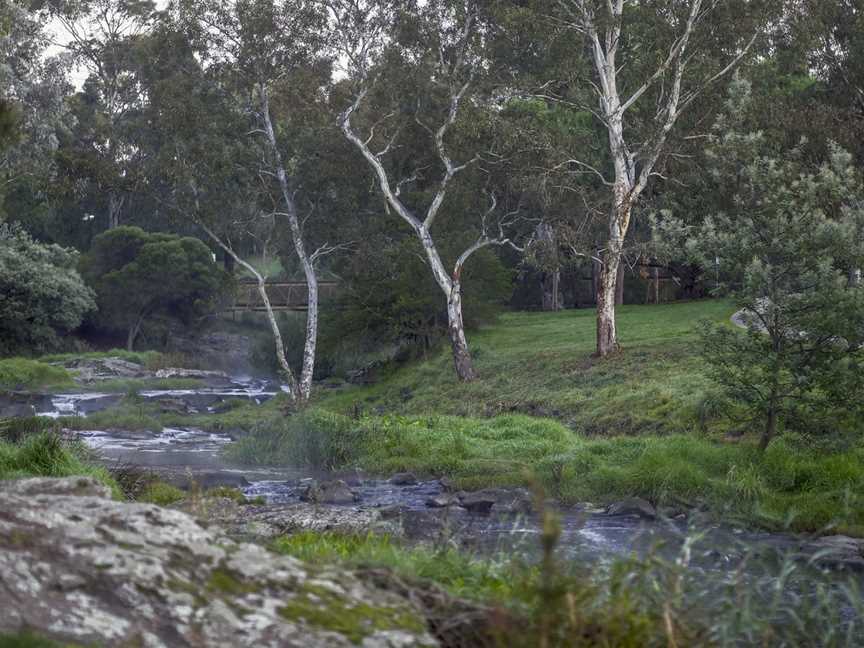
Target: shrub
(41, 294)
(22, 373)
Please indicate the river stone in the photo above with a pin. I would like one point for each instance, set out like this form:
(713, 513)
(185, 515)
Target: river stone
(442, 501)
(505, 500)
(88, 370)
(478, 502)
(329, 492)
(78, 567)
(17, 410)
(17, 404)
(634, 506)
(403, 479)
(447, 485)
(200, 374)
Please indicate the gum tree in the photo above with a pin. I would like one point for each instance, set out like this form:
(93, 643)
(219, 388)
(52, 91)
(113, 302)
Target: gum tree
(263, 52)
(646, 57)
(415, 72)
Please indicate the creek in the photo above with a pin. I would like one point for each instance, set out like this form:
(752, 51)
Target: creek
(717, 553)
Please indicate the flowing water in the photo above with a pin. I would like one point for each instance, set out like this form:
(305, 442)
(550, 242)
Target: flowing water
(588, 536)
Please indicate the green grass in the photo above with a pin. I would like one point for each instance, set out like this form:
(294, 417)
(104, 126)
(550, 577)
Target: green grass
(161, 494)
(46, 454)
(540, 364)
(124, 385)
(646, 422)
(460, 573)
(152, 360)
(27, 374)
(130, 414)
(31, 640)
(788, 487)
(628, 603)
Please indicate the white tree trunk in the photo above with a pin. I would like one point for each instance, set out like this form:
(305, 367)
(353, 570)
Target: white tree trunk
(293, 388)
(456, 330)
(309, 348)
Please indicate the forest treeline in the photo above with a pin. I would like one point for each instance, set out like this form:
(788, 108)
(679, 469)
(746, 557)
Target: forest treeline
(441, 159)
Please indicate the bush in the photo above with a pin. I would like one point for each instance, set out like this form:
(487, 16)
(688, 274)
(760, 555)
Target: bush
(47, 454)
(138, 274)
(161, 494)
(315, 438)
(21, 373)
(41, 294)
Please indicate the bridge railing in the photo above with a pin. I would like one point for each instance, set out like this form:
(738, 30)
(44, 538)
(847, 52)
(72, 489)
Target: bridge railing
(283, 295)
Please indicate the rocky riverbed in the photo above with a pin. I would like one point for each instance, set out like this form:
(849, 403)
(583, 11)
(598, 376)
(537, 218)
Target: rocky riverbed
(417, 508)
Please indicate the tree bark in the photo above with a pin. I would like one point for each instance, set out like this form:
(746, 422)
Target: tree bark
(607, 337)
(456, 329)
(607, 334)
(619, 286)
(115, 205)
(770, 428)
(134, 330)
(551, 288)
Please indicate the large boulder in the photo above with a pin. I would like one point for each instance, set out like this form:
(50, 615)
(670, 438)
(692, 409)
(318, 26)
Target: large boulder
(89, 370)
(79, 567)
(329, 492)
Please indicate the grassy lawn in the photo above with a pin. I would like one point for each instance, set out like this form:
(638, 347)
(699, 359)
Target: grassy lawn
(540, 364)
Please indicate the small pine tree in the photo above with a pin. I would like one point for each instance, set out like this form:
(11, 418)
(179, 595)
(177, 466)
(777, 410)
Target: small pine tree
(789, 240)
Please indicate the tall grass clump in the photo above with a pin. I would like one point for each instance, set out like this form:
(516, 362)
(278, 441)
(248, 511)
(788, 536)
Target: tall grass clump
(655, 600)
(23, 373)
(48, 454)
(315, 438)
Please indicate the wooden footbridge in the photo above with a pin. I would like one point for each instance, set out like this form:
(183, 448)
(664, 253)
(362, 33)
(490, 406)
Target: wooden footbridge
(284, 295)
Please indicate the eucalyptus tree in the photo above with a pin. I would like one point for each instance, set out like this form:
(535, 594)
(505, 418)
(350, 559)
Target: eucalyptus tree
(267, 56)
(415, 73)
(33, 89)
(100, 36)
(650, 62)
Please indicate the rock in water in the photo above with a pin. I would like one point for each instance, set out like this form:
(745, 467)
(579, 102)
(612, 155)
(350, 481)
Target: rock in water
(403, 479)
(633, 506)
(329, 492)
(79, 567)
(478, 502)
(505, 500)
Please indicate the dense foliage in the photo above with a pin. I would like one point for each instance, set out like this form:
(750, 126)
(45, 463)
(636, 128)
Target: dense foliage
(41, 293)
(138, 274)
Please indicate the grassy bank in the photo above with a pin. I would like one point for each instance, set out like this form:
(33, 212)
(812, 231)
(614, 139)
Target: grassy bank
(33, 447)
(645, 423)
(647, 602)
(540, 364)
(26, 374)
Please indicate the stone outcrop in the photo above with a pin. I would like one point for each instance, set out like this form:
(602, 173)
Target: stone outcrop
(79, 567)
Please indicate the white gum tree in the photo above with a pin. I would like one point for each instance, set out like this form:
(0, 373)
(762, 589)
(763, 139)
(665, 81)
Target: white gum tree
(451, 41)
(257, 48)
(604, 26)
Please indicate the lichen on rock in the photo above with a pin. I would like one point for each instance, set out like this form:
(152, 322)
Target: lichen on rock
(77, 566)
